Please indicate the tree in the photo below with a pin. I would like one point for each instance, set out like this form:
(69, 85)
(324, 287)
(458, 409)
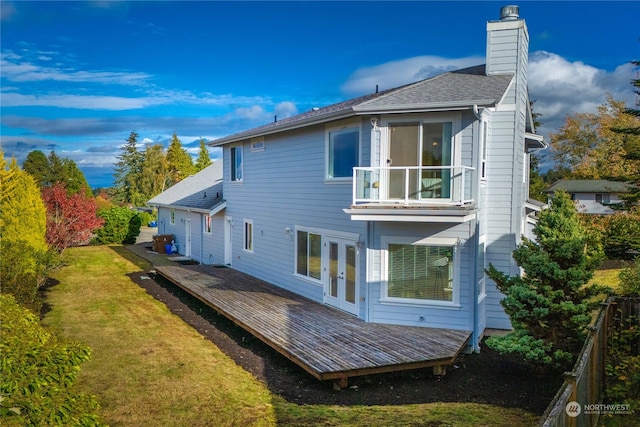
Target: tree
(25, 254)
(588, 146)
(37, 165)
(179, 161)
(76, 182)
(129, 172)
(203, 157)
(71, 218)
(154, 171)
(550, 306)
(58, 172)
(121, 225)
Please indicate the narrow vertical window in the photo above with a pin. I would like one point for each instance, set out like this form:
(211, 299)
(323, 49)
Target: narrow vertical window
(343, 152)
(309, 254)
(236, 163)
(173, 216)
(207, 224)
(248, 235)
(483, 151)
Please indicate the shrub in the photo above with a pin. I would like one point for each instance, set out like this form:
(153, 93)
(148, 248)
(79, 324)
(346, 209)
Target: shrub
(146, 217)
(630, 279)
(37, 374)
(121, 225)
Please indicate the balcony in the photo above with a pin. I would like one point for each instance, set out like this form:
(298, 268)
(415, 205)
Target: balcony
(385, 193)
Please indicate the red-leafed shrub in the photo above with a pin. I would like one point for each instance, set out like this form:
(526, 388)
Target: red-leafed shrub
(71, 219)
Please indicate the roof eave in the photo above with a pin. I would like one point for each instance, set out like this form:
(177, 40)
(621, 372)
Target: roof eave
(212, 211)
(428, 107)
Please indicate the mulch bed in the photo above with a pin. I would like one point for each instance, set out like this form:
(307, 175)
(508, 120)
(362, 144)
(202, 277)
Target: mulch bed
(486, 377)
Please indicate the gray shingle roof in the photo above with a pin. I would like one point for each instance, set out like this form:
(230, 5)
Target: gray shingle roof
(455, 89)
(202, 191)
(589, 186)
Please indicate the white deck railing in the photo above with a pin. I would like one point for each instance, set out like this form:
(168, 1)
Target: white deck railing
(413, 185)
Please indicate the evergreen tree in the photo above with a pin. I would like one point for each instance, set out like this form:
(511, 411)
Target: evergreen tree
(25, 254)
(37, 165)
(203, 157)
(58, 172)
(550, 306)
(179, 161)
(76, 181)
(154, 171)
(128, 173)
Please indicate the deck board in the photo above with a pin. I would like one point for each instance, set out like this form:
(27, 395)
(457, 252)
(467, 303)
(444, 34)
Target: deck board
(326, 342)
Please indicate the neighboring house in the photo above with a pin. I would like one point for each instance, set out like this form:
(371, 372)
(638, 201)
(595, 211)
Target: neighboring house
(191, 211)
(592, 196)
(389, 206)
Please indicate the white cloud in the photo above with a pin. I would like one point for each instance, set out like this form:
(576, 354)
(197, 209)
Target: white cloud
(396, 73)
(286, 109)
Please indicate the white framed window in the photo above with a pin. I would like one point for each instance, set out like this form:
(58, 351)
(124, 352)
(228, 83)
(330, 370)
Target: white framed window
(208, 221)
(258, 144)
(420, 272)
(236, 163)
(309, 254)
(482, 265)
(483, 149)
(248, 235)
(173, 216)
(343, 151)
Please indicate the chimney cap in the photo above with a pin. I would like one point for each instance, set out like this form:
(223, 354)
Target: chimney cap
(509, 13)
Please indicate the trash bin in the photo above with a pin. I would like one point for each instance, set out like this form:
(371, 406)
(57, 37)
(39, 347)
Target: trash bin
(160, 241)
(167, 248)
(153, 224)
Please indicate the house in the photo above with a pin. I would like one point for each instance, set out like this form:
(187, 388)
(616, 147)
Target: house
(592, 196)
(191, 210)
(389, 206)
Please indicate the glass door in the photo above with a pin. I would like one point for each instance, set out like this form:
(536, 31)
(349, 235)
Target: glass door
(341, 288)
(404, 146)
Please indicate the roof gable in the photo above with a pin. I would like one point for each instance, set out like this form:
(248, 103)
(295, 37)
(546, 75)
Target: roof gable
(202, 191)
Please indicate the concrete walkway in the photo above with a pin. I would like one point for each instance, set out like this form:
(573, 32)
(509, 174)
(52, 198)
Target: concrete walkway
(144, 242)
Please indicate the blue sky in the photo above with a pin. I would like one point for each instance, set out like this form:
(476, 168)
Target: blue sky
(78, 77)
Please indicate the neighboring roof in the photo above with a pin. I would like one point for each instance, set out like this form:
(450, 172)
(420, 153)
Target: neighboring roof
(589, 186)
(452, 90)
(201, 192)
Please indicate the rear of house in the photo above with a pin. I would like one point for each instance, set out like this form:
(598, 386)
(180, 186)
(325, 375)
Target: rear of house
(389, 206)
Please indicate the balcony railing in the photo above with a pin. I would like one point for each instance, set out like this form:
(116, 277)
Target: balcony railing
(413, 185)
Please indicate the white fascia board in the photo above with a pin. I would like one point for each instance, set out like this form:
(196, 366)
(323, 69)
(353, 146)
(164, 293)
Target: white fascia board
(359, 215)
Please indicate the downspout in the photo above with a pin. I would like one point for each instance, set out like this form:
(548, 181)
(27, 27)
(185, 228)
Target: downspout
(475, 344)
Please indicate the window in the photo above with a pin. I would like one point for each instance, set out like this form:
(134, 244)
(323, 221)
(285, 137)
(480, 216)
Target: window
(309, 254)
(258, 144)
(236, 163)
(207, 224)
(343, 152)
(481, 264)
(483, 151)
(248, 235)
(173, 216)
(420, 272)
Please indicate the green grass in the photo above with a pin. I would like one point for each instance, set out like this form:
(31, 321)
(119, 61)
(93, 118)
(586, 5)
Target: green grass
(149, 368)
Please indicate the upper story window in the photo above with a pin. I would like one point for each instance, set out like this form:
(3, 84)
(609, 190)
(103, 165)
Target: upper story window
(236, 163)
(343, 151)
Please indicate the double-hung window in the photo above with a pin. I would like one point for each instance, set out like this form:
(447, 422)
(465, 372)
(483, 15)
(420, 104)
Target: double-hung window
(308, 254)
(420, 272)
(343, 151)
(236, 163)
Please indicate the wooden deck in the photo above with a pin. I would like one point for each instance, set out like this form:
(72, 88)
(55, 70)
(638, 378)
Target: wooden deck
(327, 343)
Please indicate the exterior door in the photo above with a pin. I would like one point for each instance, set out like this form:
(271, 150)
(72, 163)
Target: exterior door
(187, 237)
(341, 280)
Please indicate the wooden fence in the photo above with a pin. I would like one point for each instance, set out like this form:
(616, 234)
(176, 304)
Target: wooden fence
(584, 385)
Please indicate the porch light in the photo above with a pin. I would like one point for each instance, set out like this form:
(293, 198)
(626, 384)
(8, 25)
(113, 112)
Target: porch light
(288, 231)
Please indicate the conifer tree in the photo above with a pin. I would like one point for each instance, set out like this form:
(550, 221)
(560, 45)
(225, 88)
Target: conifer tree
(128, 173)
(179, 161)
(37, 165)
(25, 254)
(550, 306)
(203, 157)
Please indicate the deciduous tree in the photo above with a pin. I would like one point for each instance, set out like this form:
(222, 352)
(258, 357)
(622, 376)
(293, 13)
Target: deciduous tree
(154, 171)
(550, 306)
(71, 218)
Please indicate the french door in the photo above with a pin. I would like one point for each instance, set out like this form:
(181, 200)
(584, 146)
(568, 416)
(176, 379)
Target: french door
(341, 280)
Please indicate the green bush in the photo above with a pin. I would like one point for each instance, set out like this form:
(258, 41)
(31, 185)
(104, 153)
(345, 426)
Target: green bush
(37, 374)
(146, 217)
(121, 225)
(630, 279)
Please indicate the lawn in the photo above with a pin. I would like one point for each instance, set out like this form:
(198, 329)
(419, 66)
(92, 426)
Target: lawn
(149, 368)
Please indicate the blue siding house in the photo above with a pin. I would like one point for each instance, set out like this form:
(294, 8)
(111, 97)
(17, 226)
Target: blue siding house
(389, 206)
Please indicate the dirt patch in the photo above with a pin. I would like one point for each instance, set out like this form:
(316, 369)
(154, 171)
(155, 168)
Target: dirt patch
(486, 377)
